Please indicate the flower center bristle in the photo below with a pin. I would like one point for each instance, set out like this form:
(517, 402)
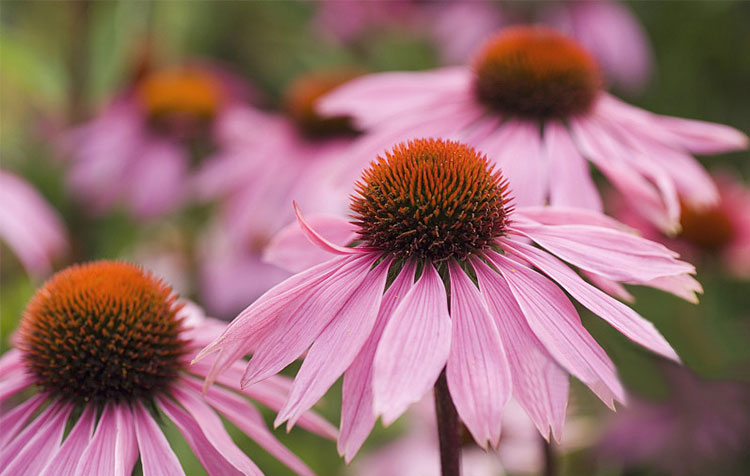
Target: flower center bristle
(300, 99)
(535, 72)
(709, 228)
(180, 91)
(431, 199)
(103, 332)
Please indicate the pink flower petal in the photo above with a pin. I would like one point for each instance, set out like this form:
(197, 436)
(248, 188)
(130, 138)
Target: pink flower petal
(517, 149)
(14, 383)
(157, 457)
(14, 420)
(113, 450)
(655, 201)
(29, 453)
(67, 457)
(539, 384)
(156, 180)
(238, 337)
(620, 316)
(235, 409)
(301, 322)
(570, 182)
(205, 433)
(478, 375)
(414, 347)
(555, 322)
(318, 240)
(681, 285)
(609, 253)
(613, 288)
(558, 215)
(337, 346)
(290, 248)
(357, 415)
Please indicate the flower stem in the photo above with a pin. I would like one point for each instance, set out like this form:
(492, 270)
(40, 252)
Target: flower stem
(448, 429)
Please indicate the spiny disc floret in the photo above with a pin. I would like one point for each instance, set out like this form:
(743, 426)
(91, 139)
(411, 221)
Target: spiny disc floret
(432, 200)
(536, 72)
(102, 332)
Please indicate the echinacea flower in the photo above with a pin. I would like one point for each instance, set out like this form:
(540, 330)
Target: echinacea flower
(102, 351)
(436, 212)
(701, 427)
(533, 101)
(721, 231)
(30, 226)
(137, 151)
(253, 193)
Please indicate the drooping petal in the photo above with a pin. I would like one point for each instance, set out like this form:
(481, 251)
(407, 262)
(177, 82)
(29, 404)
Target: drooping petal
(612, 254)
(517, 149)
(620, 316)
(38, 446)
(357, 415)
(242, 414)
(113, 450)
(555, 322)
(14, 383)
(337, 345)
(682, 285)
(570, 183)
(13, 421)
(559, 215)
(414, 347)
(291, 249)
(299, 325)
(157, 457)
(256, 319)
(609, 286)
(539, 384)
(67, 458)
(478, 375)
(206, 435)
(318, 240)
(156, 179)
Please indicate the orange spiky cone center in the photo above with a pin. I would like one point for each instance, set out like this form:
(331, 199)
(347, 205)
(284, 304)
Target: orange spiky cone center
(709, 228)
(432, 200)
(182, 91)
(102, 332)
(536, 72)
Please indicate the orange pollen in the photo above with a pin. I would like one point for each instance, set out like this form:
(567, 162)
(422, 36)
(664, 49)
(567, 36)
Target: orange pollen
(301, 97)
(709, 228)
(536, 72)
(431, 199)
(103, 332)
(180, 91)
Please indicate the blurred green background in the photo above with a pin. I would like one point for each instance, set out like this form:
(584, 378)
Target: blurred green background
(60, 61)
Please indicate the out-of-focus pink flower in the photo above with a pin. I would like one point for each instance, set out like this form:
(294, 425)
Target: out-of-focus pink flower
(137, 151)
(701, 426)
(266, 161)
(109, 339)
(349, 20)
(721, 230)
(436, 213)
(533, 101)
(30, 226)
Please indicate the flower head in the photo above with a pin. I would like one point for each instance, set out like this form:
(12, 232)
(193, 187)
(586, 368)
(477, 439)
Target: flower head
(110, 338)
(380, 311)
(533, 100)
(138, 151)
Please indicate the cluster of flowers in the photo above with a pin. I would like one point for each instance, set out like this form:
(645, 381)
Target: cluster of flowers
(452, 219)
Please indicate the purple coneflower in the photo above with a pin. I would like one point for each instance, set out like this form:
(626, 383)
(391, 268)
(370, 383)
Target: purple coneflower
(107, 345)
(137, 151)
(30, 226)
(533, 100)
(441, 277)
